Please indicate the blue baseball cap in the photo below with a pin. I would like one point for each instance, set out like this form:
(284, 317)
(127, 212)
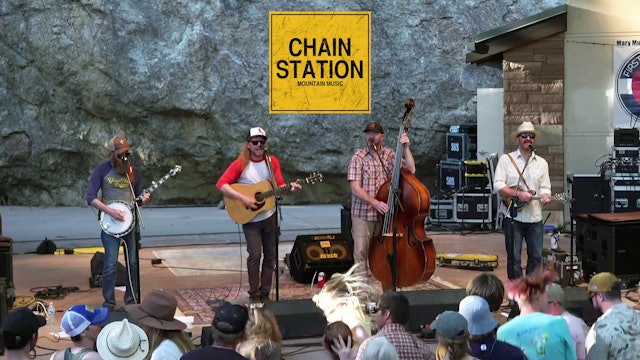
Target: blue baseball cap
(78, 318)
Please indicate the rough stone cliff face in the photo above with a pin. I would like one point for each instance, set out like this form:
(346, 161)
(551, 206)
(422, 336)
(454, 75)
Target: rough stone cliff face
(185, 79)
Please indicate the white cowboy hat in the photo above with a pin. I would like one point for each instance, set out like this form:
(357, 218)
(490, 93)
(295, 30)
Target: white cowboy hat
(525, 127)
(122, 340)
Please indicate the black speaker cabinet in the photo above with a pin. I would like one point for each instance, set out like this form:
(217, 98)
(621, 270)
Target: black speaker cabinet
(589, 192)
(3, 310)
(311, 254)
(609, 243)
(298, 318)
(6, 260)
(426, 305)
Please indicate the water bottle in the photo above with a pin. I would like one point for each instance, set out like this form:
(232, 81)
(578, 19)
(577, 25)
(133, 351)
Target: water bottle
(51, 314)
(555, 239)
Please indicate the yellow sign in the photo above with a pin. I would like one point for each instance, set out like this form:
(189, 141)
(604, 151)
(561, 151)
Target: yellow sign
(320, 62)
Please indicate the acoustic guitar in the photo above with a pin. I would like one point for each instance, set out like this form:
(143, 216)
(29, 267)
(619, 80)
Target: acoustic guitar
(264, 194)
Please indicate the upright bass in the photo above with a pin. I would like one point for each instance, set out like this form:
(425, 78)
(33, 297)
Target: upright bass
(401, 254)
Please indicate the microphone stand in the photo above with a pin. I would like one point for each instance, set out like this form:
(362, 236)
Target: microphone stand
(137, 215)
(278, 213)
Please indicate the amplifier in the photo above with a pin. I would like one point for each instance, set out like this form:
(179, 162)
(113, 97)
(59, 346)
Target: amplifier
(460, 147)
(626, 137)
(451, 178)
(312, 254)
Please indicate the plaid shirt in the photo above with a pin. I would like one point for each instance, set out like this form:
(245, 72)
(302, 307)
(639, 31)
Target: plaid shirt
(407, 346)
(365, 168)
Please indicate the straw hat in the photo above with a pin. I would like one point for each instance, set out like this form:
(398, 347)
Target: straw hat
(121, 340)
(525, 127)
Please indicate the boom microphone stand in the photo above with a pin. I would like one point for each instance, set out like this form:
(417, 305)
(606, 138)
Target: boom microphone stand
(137, 215)
(278, 213)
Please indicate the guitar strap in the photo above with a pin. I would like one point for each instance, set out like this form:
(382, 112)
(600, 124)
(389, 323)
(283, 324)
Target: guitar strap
(518, 169)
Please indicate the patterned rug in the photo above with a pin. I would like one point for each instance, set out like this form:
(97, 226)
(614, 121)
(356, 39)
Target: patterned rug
(195, 302)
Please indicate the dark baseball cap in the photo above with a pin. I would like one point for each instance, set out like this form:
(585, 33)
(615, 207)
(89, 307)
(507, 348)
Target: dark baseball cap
(374, 126)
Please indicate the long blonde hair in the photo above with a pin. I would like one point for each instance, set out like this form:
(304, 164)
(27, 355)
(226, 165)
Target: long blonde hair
(346, 295)
(178, 337)
(262, 331)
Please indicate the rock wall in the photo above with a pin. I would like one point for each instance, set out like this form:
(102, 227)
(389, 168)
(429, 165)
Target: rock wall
(185, 79)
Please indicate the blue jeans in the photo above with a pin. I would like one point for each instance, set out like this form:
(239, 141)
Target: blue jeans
(514, 233)
(109, 271)
(261, 239)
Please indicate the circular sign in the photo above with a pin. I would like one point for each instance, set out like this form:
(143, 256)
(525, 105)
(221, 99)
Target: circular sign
(628, 84)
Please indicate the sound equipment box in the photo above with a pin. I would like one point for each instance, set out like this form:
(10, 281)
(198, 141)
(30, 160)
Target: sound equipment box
(298, 318)
(312, 254)
(426, 305)
(6, 260)
(97, 265)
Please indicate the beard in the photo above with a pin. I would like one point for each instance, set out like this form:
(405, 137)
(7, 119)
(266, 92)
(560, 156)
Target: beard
(121, 168)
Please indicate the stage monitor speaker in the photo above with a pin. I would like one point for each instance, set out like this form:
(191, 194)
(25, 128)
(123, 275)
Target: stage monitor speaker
(312, 254)
(426, 305)
(96, 266)
(298, 318)
(577, 302)
(589, 192)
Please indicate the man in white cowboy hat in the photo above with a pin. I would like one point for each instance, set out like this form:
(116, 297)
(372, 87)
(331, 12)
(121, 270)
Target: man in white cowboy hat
(522, 179)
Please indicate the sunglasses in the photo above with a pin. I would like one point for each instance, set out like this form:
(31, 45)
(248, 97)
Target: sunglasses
(124, 155)
(256, 142)
(526, 135)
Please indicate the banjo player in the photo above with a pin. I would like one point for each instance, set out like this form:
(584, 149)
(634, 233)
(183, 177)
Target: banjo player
(119, 185)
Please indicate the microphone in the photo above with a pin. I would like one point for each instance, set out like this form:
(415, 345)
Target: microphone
(373, 145)
(264, 147)
(531, 147)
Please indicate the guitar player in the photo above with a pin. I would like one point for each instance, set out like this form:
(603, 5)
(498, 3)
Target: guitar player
(117, 180)
(522, 178)
(250, 167)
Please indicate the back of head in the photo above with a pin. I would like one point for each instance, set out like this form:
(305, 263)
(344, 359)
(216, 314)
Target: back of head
(262, 324)
(475, 310)
(379, 348)
(556, 293)
(398, 306)
(606, 283)
(121, 340)
(527, 289)
(229, 321)
(334, 331)
(489, 287)
(19, 327)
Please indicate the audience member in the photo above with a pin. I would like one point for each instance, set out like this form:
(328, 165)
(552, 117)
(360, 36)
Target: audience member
(337, 341)
(482, 325)
(82, 324)
(615, 333)
(577, 326)
(263, 340)
(227, 330)
(380, 349)
(539, 334)
(122, 340)
(391, 318)
(344, 298)
(155, 315)
(452, 333)
(20, 333)
(491, 288)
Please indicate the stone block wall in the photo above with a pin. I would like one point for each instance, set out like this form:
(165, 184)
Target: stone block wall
(534, 91)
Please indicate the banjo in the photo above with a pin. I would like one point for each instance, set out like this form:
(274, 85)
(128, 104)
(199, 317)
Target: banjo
(118, 228)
